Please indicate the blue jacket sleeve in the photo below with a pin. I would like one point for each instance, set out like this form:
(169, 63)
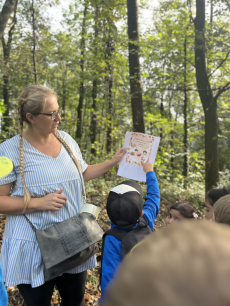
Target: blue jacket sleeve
(111, 259)
(152, 200)
(3, 293)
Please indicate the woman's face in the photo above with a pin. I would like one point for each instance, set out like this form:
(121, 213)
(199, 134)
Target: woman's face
(174, 215)
(44, 123)
(209, 210)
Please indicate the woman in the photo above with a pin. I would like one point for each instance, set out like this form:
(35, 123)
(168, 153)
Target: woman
(212, 197)
(180, 210)
(46, 187)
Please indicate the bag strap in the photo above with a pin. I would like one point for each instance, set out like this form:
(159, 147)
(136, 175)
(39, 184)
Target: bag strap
(118, 233)
(142, 222)
(31, 224)
(80, 174)
(77, 164)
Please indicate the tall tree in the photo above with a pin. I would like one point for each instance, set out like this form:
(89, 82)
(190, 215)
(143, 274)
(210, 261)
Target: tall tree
(185, 166)
(109, 81)
(93, 123)
(7, 9)
(82, 85)
(134, 67)
(6, 45)
(208, 99)
(33, 23)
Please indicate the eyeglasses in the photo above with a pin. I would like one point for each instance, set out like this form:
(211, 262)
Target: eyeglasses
(53, 115)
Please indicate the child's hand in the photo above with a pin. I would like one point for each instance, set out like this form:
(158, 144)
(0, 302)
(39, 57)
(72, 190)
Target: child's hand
(147, 166)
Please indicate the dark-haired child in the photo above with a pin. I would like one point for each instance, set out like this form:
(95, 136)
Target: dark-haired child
(212, 197)
(180, 210)
(124, 208)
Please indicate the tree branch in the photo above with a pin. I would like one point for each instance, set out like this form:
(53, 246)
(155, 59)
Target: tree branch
(190, 10)
(7, 46)
(221, 63)
(7, 9)
(10, 34)
(223, 89)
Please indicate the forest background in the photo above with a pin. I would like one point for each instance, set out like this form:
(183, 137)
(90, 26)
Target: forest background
(170, 79)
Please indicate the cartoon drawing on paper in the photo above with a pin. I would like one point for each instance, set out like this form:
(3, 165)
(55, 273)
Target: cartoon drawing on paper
(140, 147)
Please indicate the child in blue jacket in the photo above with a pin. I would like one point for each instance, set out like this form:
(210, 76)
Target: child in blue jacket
(124, 207)
(3, 293)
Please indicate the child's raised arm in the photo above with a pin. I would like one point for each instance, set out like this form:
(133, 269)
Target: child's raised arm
(152, 200)
(147, 166)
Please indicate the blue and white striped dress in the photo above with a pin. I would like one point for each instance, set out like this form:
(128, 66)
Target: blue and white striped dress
(20, 255)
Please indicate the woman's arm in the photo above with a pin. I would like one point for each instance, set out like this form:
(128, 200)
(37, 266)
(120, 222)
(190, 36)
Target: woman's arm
(14, 206)
(94, 171)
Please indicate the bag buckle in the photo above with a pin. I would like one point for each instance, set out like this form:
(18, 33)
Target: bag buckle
(91, 209)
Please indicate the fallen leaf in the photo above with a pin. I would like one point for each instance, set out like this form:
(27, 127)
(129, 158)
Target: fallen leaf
(12, 288)
(86, 297)
(90, 272)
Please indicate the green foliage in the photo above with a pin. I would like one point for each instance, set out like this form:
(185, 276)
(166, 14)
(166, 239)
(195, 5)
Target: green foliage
(59, 57)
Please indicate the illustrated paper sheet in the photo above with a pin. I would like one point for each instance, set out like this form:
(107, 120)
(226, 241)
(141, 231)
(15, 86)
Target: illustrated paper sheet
(140, 147)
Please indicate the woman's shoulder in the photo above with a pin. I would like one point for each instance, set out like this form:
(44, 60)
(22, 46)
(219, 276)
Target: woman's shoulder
(10, 144)
(67, 138)
(64, 134)
(11, 148)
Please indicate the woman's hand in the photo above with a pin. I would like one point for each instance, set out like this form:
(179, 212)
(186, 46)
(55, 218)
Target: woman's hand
(118, 156)
(147, 166)
(51, 202)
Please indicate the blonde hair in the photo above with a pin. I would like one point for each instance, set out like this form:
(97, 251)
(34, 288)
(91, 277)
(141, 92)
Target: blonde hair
(184, 264)
(32, 100)
(222, 210)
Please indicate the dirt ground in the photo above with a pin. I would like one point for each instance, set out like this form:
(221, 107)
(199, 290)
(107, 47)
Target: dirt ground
(92, 293)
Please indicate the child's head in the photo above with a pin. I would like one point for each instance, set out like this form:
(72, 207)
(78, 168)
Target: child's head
(124, 203)
(180, 210)
(222, 210)
(212, 197)
(184, 265)
(144, 152)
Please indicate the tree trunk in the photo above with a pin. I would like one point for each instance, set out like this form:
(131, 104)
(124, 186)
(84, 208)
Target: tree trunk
(110, 86)
(162, 115)
(211, 12)
(64, 93)
(171, 142)
(34, 44)
(6, 56)
(209, 103)
(93, 124)
(82, 86)
(7, 9)
(185, 166)
(134, 67)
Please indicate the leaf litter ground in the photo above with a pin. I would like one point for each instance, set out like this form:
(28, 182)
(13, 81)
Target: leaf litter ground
(92, 292)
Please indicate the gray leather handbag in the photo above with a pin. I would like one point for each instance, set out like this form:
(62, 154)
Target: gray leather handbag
(68, 244)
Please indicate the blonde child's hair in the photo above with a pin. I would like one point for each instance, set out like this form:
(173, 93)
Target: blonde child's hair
(222, 210)
(186, 263)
